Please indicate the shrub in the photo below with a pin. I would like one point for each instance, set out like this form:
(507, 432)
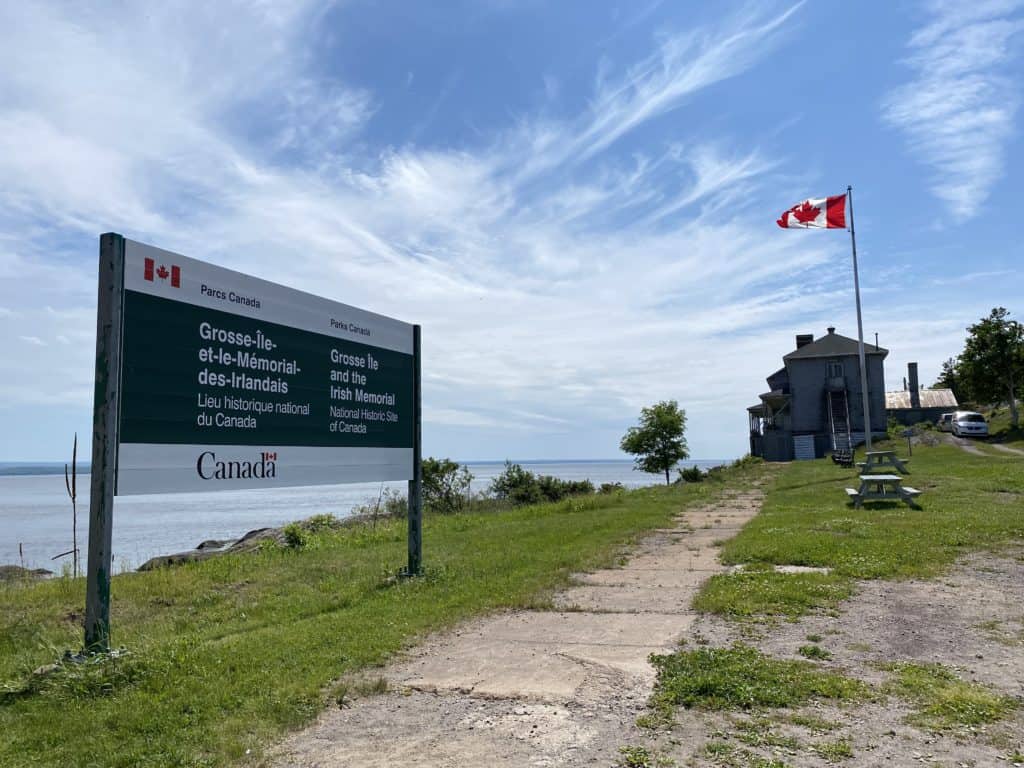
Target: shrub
(295, 536)
(554, 489)
(746, 461)
(516, 485)
(445, 485)
(691, 474)
(520, 486)
(607, 488)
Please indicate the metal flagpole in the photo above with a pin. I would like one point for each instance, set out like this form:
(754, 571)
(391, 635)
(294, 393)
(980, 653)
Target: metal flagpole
(860, 330)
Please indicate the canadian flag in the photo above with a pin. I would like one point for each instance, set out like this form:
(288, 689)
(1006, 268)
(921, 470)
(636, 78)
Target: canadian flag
(151, 270)
(818, 213)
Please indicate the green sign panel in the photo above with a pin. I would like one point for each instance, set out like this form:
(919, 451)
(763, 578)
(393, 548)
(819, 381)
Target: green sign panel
(228, 381)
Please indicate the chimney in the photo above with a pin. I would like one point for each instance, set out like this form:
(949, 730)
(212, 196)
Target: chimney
(803, 339)
(904, 383)
(831, 329)
(915, 395)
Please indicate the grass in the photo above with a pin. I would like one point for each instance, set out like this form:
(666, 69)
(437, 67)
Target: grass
(835, 751)
(227, 654)
(969, 503)
(641, 757)
(1000, 430)
(741, 677)
(758, 733)
(725, 754)
(944, 700)
(751, 593)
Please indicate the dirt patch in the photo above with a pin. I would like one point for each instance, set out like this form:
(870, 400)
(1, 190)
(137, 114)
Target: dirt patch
(971, 621)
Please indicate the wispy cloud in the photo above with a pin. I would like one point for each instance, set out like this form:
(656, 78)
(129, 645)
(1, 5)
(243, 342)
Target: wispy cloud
(971, 276)
(958, 111)
(561, 283)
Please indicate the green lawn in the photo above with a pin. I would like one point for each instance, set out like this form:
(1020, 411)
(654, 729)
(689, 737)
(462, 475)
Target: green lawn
(969, 502)
(227, 654)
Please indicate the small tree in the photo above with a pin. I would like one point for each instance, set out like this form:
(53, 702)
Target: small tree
(445, 485)
(658, 442)
(992, 363)
(950, 378)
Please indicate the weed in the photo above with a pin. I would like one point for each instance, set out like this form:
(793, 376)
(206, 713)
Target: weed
(344, 692)
(811, 722)
(719, 749)
(834, 751)
(740, 677)
(944, 700)
(758, 733)
(641, 757)
(813, 638)
(814, 652)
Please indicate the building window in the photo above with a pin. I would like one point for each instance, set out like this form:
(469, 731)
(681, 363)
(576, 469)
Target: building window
(835, 369)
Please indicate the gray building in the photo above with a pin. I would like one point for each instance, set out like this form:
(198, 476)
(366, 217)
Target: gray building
(814, 403)
(912, 405)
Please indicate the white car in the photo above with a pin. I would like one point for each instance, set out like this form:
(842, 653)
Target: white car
(969, 424)
(946, 422)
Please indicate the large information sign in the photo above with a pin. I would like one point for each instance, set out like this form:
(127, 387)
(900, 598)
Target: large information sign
(228, 381)
(208, 380)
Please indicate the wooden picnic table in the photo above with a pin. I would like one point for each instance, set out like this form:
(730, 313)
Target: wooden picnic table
(882, 488)
(882, 460)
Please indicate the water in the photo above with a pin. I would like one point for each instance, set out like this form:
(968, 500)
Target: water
(35, 510)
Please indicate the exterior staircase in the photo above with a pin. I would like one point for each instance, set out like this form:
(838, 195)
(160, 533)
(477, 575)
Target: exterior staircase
(839, 420)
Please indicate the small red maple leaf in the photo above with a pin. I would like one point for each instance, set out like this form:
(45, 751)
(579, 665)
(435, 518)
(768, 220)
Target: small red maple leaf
(162, 273)
(805, 212)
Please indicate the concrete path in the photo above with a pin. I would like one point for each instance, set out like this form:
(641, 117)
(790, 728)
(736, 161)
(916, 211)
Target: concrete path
(966, 445)
(536, 688)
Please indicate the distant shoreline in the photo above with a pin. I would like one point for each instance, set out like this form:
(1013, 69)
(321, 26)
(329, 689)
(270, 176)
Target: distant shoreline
(25, 468)
(12, 468)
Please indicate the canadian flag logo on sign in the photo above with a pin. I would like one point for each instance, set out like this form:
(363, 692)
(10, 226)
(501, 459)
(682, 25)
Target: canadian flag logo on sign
(151, 272)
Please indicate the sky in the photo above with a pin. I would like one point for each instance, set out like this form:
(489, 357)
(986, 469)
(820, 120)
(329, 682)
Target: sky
(576, 199)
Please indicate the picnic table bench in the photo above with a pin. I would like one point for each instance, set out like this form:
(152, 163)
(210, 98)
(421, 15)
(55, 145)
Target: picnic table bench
(882, 488)
(883, 460)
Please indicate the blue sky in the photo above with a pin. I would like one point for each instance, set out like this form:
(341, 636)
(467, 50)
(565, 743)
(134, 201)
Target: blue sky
(576, 199)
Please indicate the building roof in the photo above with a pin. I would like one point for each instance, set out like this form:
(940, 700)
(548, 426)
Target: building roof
(833, 345)
(930, 398)
(776, 398)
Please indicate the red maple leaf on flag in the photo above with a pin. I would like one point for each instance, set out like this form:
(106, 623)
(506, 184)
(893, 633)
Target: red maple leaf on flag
(805, 212)
(162, 273)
